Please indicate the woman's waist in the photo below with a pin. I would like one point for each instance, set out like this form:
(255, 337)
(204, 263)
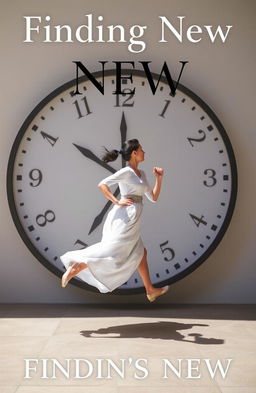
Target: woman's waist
(136, 198)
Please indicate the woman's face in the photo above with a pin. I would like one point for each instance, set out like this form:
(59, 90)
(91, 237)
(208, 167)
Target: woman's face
(140, 154)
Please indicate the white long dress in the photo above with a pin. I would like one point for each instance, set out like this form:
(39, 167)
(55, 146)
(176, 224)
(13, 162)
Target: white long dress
(113, 260)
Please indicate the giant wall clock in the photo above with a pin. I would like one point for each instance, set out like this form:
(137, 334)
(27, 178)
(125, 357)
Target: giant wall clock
(54, 168)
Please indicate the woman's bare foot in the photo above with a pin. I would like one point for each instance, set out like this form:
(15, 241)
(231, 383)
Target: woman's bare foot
(154, 290)
(76, 268)
(71, 272)
(154, 293)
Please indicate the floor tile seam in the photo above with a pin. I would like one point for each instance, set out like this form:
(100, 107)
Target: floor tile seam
(69, 385)
(160, 384)
(27, 336)
(144, 386)
(120, 384)
(17, 386)
(57, 326)
(236, 386)
(43, 347)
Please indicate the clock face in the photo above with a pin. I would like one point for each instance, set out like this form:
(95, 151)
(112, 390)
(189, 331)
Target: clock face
(54, 168)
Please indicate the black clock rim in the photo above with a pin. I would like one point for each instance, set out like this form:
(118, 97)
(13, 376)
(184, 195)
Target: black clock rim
(120, 291)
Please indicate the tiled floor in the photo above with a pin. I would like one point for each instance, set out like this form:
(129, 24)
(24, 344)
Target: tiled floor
(129, 349)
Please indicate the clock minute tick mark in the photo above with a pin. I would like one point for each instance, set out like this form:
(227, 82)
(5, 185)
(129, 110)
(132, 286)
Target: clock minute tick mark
(35, 127)
(210, 128)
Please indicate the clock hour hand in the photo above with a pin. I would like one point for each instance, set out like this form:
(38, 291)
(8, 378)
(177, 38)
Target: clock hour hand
(89, 154)
(98, 219)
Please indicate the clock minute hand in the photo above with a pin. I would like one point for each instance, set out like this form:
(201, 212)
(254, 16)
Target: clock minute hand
(89, 154)
(123, 130)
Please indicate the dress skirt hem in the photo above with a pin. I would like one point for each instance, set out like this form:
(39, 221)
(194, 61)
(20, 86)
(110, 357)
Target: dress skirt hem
(114, 277)
(112, 261)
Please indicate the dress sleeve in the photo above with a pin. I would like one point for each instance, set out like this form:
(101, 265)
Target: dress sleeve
(115, 178)
(149, 190)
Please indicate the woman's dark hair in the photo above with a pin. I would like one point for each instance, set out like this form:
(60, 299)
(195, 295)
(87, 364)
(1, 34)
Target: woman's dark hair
(126, 151)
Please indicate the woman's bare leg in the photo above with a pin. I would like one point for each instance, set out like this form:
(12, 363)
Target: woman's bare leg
(76, 268)
(144, 273)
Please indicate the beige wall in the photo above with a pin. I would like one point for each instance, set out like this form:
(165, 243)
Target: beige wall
(222, 74)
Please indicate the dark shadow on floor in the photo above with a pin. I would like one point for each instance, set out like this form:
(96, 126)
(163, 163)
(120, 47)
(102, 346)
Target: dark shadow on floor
(153, 330)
